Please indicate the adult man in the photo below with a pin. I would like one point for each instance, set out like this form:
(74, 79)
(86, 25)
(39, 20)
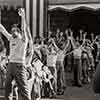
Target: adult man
(77, 63)
(16, 67)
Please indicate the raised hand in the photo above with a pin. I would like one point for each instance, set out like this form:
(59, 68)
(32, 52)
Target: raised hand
(84, 36)
(96, 37)
(71, 34)
(81, 31)
(66, 32)
(21, 12)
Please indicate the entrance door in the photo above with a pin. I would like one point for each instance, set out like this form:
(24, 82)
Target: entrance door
(85, 19)
(81, 18)
(59, 18)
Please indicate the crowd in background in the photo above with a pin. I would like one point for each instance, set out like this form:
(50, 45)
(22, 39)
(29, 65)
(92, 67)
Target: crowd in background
(61, 52)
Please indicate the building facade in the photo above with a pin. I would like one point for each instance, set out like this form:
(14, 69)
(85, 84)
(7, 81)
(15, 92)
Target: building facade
(46, 15)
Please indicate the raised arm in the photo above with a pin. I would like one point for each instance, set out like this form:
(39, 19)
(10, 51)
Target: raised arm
(84, 39)
(56, 47)
(30, 46)
(23, 24)
(26, 34)
(72, 40)
(4, 32)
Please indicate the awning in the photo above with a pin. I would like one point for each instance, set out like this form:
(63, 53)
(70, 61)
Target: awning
(74, 6)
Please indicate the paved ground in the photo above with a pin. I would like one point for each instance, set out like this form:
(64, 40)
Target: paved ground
(74, 93)
(77, 93)
(85, 93)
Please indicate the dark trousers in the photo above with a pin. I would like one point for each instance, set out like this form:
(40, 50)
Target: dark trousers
(96, 80)
(61, 81)
(18, 72)
(77, 71)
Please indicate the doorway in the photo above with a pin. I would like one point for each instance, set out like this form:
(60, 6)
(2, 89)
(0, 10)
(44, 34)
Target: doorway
(83, 18)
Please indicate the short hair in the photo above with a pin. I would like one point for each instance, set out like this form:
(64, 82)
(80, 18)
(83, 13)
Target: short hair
(16, 26)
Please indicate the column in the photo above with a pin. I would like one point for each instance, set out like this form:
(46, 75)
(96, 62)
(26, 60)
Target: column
(33, 19)
(0, 14)
(45, 28)
(41, 23)
(38, 18)
(48, 22)
(27, 9)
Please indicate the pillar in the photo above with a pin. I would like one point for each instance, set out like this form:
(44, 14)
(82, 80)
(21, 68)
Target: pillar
(27, 9)
(0, 14)
(45, 28)
(36, 14)
(38, 18)
(48, 22)
(41, 18)
(33, 20)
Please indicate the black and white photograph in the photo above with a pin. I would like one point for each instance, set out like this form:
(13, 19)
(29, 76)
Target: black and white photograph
(49, 49)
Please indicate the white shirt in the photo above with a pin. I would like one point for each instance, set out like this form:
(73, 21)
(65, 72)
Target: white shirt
(51, 57)
(77, 53)
(17, 46)
(17, 50)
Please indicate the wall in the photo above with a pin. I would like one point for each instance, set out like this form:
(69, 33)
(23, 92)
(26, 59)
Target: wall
(11, 2)
(71, 1)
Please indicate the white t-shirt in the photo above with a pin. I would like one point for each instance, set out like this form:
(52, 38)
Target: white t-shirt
(51, 56)
(77, 53)
(17, 47)
(17, 50)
